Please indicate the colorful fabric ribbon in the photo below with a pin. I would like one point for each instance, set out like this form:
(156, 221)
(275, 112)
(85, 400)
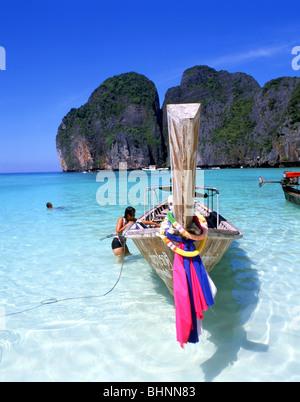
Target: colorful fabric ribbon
(192, 291)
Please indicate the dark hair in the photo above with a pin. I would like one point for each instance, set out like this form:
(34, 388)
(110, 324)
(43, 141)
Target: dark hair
(129, 211)
(48, 205)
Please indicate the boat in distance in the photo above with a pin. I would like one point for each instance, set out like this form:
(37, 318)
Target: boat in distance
(290, 186)
(153, 168)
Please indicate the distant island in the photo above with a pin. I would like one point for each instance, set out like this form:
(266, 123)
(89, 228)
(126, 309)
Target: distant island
(242, 124)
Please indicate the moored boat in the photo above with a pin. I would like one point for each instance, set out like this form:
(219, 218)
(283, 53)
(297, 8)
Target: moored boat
(290, 186)
(188, 201)
(151, 168)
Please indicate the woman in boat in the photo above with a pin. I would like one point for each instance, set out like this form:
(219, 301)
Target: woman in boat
(119, 243)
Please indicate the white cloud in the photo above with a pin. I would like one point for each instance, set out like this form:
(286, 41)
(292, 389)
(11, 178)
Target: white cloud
(250, 55)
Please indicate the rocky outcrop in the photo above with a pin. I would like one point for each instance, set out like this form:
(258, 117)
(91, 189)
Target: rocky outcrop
(121, 122)
(241, 123)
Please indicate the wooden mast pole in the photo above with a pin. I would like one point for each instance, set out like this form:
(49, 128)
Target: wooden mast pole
(183, 125)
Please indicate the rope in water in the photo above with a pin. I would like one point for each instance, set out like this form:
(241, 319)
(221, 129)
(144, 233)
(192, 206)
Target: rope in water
(53, 300)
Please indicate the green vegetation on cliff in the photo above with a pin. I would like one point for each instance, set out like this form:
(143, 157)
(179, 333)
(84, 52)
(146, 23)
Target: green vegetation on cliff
(293, 108)
(117, 92)
(237, 124)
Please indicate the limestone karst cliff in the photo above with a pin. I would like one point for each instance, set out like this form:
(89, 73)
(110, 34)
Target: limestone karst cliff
(120, 122)
(241, 122)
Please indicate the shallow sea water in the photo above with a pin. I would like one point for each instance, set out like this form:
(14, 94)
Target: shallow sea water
(252, 333)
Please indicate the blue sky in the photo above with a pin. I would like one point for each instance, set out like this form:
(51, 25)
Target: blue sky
(58, 52)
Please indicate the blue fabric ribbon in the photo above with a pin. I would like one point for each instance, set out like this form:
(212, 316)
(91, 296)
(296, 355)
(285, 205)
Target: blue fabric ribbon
(142, 224)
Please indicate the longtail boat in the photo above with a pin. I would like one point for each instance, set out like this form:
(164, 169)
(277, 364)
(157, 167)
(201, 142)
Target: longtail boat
(183, 125)
(290, 186)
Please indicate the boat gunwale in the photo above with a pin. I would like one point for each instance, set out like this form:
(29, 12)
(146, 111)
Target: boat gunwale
(231, 233)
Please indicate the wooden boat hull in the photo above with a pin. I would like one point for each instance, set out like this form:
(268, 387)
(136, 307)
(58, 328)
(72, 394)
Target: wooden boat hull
(291, 195)
(160, 257)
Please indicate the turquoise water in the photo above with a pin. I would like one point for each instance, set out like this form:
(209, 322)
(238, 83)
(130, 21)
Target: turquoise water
(251, 334)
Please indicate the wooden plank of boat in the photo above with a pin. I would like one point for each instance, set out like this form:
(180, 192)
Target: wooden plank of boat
(183, 125)
(291, 194)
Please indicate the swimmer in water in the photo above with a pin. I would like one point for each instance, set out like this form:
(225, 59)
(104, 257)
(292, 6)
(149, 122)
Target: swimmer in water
(50, 206)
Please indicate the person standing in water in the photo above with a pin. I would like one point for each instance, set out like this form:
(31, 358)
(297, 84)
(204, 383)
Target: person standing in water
(119, 242)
